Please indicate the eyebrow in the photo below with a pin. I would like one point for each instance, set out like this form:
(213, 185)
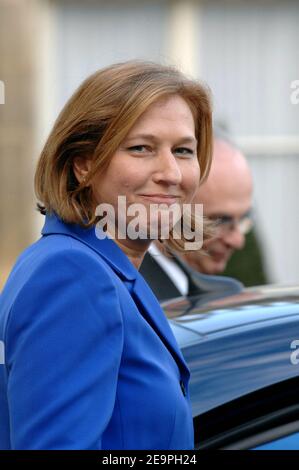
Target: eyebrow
(186, 139)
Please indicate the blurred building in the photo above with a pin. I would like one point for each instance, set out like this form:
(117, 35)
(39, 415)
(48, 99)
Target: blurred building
(246, 51)
(17, 129)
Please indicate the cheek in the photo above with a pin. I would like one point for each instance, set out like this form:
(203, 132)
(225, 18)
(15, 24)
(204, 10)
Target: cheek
(215, 244)
(127, 177)
(122, 181)
(191, 177)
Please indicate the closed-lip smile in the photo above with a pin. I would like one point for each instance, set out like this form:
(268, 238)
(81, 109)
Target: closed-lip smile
(161, 197)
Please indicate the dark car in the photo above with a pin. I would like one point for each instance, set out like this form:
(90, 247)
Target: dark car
(243, 354)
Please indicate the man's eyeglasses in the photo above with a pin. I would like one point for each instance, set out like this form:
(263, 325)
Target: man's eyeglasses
(228, 224)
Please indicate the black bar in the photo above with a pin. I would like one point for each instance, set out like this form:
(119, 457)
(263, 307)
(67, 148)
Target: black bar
(134, 459)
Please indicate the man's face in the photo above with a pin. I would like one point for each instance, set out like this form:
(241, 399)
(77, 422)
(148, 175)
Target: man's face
(226, 195)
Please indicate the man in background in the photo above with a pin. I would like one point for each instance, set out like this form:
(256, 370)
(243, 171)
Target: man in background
(227, 198)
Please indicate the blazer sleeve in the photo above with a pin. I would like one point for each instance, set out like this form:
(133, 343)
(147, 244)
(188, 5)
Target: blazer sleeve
(64, 343)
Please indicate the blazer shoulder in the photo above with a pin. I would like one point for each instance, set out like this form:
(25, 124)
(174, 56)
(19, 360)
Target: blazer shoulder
(62, 252)
(66, 280)
(51, 266)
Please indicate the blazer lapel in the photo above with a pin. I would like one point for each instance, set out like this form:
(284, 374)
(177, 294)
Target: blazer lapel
(151, 310)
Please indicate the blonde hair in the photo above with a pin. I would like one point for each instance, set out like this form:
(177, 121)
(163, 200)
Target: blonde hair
(96, 120)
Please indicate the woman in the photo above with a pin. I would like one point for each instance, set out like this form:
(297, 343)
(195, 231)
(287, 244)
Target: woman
(89, 360)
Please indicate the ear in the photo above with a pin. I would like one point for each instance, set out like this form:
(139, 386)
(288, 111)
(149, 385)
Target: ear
(81, 167)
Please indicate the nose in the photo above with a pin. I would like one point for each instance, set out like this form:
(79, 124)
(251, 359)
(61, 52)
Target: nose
(234, 238)
(167, 169)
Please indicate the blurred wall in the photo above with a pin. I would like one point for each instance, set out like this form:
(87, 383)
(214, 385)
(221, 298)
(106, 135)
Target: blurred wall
(249, 57)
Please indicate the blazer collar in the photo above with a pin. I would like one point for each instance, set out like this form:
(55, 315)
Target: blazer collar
(106, 247)
(142, 294)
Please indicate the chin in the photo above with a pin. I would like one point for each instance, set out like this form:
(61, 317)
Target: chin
(215, 268)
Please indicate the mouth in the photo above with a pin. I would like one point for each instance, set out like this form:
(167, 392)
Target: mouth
(161, 198)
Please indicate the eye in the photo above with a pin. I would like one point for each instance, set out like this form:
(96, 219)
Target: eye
(138, 148)
(184, 151)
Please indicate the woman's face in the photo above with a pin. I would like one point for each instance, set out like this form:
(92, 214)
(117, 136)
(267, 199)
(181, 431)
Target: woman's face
(156, 163)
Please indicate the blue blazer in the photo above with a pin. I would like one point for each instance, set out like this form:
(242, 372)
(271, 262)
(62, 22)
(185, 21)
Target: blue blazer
(87, 357)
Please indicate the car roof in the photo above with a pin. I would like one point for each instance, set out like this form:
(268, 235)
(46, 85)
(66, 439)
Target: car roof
(249, 307)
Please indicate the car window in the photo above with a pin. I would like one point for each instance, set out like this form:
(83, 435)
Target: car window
(260, 420)
(284, 437)
(290, 442)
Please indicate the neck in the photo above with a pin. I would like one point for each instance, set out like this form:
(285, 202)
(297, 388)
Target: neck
(134, 249)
